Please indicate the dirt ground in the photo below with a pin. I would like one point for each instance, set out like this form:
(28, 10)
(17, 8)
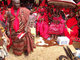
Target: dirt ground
(41, 53)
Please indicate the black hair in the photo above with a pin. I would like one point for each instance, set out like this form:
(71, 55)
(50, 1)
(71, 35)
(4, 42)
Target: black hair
(63, 15)
(73, 10)
(79, 17)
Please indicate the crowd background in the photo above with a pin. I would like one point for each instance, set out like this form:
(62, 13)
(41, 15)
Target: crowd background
(50, 10)
(45, 9)
(49, 20)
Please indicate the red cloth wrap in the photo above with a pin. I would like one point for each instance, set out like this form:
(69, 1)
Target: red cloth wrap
(74, 33)
(43, 29)
(55, 28)
(16, 21)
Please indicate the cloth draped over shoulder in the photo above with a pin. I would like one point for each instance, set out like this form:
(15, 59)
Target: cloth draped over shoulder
(23, 17)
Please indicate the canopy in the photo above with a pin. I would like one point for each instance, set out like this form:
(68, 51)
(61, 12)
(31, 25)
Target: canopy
(63, 3)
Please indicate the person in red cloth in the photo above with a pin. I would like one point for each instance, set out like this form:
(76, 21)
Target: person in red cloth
(42, 24)
(2, 12)
(3, 17)
(56, 27)
(71, 29)
(18, 31)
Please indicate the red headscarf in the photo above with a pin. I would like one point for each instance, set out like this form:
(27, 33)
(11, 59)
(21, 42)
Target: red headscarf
(43, 3)
(8, 1)
(2, 3)
(67, 11)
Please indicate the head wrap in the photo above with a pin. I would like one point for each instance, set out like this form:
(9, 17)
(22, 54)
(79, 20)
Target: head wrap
(67, 11)
(43, 3)
(41, 10)
(8, 2)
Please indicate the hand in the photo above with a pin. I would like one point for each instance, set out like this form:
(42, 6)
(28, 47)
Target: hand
(27, 29)
(5, 37)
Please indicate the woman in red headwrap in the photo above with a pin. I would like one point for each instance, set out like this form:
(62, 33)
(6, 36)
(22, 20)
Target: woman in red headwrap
(71, 27)
(42, 24)
(57, 25)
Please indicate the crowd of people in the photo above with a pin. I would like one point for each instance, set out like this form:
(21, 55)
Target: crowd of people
(56, 21)
(48, 21)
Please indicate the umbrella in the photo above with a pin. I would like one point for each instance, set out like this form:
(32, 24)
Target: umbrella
(63, 3)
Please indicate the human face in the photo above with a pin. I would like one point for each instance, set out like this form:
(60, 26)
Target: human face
(16, 4)
(31, 23)
(71, 14)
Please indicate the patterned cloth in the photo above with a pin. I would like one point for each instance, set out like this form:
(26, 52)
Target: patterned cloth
(23, 19)
(57, 27)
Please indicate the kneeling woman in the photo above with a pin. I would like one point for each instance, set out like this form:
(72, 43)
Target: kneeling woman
(42, 24)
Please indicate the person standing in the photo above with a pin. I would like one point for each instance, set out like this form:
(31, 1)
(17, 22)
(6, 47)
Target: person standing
(17, 29)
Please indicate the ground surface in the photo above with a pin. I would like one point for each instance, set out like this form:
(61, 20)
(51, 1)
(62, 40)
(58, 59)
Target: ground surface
(41, 53)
